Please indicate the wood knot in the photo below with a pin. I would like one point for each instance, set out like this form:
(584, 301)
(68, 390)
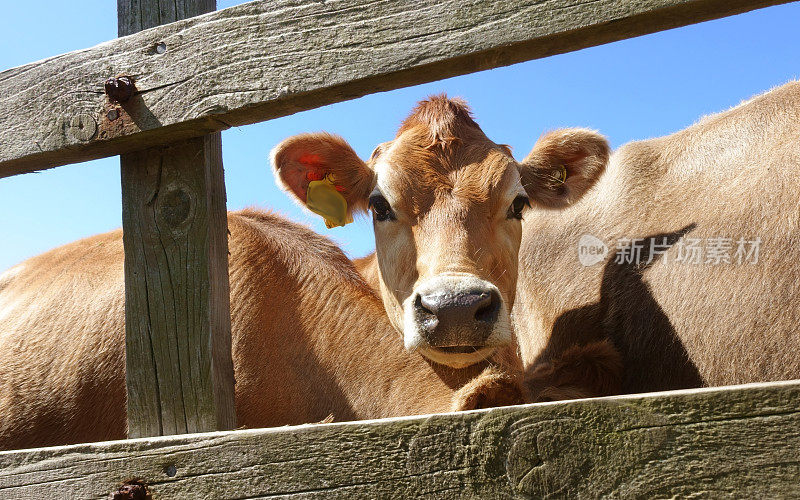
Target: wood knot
(175, 206)
(82, 127)
(133, 489)
(547, 456)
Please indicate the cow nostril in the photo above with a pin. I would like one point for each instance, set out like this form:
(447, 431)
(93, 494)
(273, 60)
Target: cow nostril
(425, 314)
(490, 309)
(420, 307)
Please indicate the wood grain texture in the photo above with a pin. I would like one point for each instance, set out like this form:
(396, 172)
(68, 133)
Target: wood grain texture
(262, 60)
(177, 308)
(727, 442)
(137, 15)
(177, 311)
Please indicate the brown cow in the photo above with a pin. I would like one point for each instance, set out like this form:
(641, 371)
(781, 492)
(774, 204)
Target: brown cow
(310, 339)
(700, 284)
(447, 205)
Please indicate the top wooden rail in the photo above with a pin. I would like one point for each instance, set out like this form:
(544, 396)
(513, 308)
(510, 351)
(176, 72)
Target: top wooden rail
(262, 60)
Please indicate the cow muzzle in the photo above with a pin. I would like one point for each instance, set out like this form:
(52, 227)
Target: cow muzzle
(456, 319)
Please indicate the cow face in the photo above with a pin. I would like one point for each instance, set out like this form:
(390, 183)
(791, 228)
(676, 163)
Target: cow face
(447, 205)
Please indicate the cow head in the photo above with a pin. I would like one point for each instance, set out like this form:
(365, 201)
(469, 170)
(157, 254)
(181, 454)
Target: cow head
(447, 206)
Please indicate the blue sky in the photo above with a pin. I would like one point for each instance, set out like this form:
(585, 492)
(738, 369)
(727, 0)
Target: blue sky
(633, 89)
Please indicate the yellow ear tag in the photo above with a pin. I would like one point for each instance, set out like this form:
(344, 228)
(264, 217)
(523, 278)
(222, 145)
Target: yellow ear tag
(561, 175)
(323, 199)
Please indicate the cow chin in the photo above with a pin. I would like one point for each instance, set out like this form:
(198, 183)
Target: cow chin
(457, 360)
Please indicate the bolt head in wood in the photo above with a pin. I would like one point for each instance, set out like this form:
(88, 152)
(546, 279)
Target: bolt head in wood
(132, 490)
(119, 89)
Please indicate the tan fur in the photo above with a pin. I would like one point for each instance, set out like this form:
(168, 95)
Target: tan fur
(310, 339)
(581, 152)
(580, 371)
(679, 325)
(367, 267)
(443, 120)
(491, 388)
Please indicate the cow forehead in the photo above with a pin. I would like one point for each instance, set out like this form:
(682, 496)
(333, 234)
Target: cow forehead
(415, 178)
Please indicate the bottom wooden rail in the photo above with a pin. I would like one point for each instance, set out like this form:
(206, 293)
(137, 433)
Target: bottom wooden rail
(736, 441)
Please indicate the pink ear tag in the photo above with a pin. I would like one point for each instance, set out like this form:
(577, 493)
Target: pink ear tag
(323, 198)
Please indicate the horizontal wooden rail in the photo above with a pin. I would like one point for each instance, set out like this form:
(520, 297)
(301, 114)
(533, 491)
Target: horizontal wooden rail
(740, 441)
(262, 60)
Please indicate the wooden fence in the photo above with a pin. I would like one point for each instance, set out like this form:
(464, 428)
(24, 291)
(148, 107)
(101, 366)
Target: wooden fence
(198, 75)
(727, 442)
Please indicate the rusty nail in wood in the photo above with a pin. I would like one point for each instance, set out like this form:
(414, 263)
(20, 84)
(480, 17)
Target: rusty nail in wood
(119, 89)
(131, 490)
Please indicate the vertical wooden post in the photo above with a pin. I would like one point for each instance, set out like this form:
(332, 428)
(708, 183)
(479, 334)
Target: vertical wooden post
(177, 311)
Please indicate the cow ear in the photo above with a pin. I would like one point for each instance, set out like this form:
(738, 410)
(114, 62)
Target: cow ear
(563, 165)
(302, 159)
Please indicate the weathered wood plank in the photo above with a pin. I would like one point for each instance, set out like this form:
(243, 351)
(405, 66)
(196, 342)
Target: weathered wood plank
(177, 312)
(741, 441)
(262, 60)
(137, 15)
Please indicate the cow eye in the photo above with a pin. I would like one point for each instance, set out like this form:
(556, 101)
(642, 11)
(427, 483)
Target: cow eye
(381, 208)
(515, 210)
